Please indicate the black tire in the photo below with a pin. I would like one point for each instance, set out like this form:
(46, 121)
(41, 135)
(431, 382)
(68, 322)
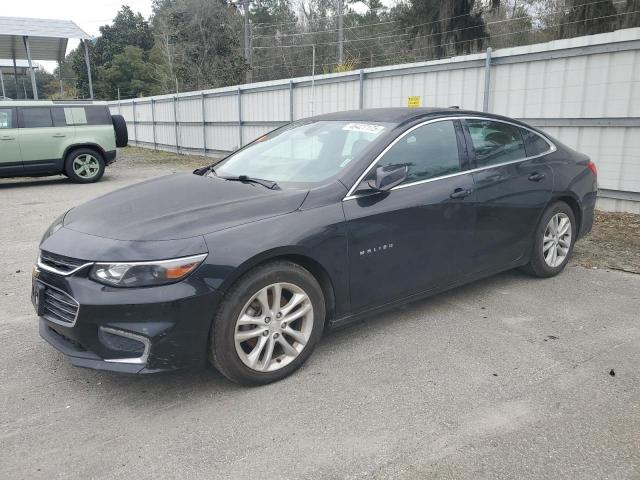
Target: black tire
(70, 172)
(222, 347)
(537, 265)
(120, 129)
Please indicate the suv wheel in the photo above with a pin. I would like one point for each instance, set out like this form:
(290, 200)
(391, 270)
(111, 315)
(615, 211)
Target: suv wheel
(268, 324)
(84, 165)
(554, 240)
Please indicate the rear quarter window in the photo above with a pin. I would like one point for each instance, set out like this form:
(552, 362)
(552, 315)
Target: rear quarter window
(98, 115)
(534, 144)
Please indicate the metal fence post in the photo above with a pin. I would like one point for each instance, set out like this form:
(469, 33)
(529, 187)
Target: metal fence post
(175, 122)
(361, 97)
(153, 123)
(239, 118)
(204, 126)
(291, 100)
(135, 122)
(487, 80)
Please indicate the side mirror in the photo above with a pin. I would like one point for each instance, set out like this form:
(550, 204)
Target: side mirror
(385, 179)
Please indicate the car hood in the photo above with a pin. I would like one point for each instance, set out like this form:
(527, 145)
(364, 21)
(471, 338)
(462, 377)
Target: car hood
(179, 206)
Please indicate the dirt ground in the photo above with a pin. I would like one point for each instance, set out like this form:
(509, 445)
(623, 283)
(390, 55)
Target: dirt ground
(614, 243)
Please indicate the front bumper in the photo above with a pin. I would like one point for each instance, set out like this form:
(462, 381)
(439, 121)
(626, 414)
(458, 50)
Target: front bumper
(137, 330)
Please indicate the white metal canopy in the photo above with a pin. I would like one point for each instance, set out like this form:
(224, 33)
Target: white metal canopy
(39, 39)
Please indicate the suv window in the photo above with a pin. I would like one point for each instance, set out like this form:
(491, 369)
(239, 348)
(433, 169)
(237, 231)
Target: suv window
(429, 151)
(495, 142)
(36, 117)
(59, 119)
(534, 144)
(6, 118)
(97, 115)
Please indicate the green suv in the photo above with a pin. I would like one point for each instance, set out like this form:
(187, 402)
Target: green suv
(76, 139)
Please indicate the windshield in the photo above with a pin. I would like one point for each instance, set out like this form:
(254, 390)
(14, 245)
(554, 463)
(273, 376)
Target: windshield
(303, 152)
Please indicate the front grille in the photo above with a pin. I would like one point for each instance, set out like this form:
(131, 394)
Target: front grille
(59, 307)
(59, 262)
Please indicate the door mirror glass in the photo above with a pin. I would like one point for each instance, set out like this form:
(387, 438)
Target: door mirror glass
(385, 179)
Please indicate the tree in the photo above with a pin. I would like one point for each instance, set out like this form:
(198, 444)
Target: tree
(202, 45)
(586, 17)
(128, 29)
(440, 29)
(129, 72)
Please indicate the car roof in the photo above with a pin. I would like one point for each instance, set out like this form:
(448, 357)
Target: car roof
(399, 115)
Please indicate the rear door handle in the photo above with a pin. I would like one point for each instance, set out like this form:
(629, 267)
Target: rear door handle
(59, 135)
(536, 177)
(460, 193)
(7, 137)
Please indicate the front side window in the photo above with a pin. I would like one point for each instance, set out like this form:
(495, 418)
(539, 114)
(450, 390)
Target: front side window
(303, 152)
(36, 117)
(6, 118)
(495, 142)
(429, 151)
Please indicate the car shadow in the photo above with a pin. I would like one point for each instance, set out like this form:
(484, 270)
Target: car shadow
(22, 182)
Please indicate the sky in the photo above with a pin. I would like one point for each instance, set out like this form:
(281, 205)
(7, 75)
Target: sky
(89, 15)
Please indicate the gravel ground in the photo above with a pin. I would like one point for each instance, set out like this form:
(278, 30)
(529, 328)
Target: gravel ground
(510, 377)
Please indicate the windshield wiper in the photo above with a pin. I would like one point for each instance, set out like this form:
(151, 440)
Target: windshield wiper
(246, 179)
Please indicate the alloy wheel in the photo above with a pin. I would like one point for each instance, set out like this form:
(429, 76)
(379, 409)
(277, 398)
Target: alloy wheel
(86, 166)
(274, 327)
(557, 240)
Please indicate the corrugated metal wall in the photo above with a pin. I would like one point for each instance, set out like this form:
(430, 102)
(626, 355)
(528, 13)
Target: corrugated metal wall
(584, 91)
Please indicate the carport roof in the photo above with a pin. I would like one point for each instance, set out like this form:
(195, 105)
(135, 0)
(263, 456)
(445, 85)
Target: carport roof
(6, 66)
(47, 38)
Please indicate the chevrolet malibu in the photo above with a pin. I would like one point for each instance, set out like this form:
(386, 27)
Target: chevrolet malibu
(318, 223)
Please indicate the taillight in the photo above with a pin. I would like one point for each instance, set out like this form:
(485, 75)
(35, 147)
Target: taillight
(592, 166)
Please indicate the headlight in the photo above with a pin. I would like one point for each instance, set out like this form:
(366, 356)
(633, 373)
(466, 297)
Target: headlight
(54, 227)
(145, 274)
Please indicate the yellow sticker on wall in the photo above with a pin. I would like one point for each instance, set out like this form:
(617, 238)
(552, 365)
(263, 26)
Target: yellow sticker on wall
(414, 102)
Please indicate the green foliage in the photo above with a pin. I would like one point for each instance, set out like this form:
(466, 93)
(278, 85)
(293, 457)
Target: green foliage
(129, 72)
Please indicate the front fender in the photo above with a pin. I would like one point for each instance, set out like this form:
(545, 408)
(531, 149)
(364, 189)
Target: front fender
(318, 234)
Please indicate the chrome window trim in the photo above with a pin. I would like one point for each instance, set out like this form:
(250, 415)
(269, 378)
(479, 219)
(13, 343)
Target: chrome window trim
(142, 359)
(58, 322)
(351, 196)
(46, 267)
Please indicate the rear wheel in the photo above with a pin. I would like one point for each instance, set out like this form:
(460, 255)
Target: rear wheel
(268, 324)
(555, 237)
(84, 165)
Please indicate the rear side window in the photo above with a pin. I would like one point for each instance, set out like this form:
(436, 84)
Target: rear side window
(59, 119)
(97, 115)
(6, 118)
(534, 144)
(429, 151)
(36, 117)
(495, 142)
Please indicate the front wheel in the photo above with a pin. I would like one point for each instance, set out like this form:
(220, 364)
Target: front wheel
(84, 165)
(268, 324)
(554, 240)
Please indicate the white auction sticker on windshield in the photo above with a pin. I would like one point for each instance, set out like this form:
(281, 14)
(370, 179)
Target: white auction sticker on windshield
(363, 127)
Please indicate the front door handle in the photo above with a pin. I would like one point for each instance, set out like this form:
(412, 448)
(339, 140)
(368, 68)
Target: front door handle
(7, 137)
(460, 193)
(59, 135)
(536, 177)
